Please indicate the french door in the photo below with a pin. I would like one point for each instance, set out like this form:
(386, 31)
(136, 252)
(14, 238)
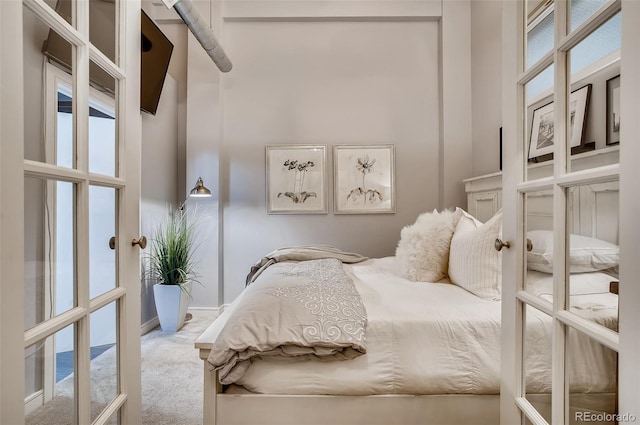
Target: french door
(571, 114)
(70, 152)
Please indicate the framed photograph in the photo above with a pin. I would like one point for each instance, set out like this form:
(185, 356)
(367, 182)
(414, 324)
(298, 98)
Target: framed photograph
(613, 110)
(500, 148)
(542, 126)
(364, 179)
(296, 179)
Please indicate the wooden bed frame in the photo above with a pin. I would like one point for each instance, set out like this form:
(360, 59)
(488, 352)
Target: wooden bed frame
(221, 408)
(265, 409)
(594, 217)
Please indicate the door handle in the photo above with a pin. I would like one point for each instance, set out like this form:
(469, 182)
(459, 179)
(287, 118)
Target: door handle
(142, 242)
(498, 244)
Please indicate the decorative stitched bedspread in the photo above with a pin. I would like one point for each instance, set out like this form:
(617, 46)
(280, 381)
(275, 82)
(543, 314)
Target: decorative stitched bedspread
(307, 309)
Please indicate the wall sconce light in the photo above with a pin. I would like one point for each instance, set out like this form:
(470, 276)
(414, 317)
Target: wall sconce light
(198, 191)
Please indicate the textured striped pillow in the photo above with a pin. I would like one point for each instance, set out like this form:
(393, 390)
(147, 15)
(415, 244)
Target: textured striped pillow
(474, 264)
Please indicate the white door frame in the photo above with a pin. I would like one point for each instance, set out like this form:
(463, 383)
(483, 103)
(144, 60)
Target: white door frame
(629, 330)
(627, 342)
(13, 168)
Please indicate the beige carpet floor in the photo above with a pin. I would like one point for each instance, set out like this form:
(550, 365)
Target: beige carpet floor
(171, 381)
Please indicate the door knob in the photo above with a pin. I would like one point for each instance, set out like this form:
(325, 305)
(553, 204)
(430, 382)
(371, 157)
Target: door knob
(142, 242)
(498, 245)
(112, 242)
(529, 245)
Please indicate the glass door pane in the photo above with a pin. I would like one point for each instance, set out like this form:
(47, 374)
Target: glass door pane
(103, 123)
(594, 253)
(50, 379)
(104, 354)
(539, 126)
(539, 260)
(102, 26)
(49, 237)
(102, 227)
(539, 33)
(48, 94)
(592, 371)
(581, 10)
(594, 103)
(537, 360)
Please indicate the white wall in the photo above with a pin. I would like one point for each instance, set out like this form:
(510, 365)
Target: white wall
(486, 84)
(159, 184)
(329, 73)
(326, 82)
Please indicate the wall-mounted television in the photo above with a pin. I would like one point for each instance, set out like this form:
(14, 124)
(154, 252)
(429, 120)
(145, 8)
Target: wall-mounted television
(156, 50)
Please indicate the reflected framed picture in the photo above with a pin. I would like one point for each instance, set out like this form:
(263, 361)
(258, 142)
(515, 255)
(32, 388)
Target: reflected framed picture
(364, 179)
(542, 125)
(296, 179)
(613, 110)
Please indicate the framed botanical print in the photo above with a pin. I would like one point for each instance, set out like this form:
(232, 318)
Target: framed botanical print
(364, 179)
(296, 179)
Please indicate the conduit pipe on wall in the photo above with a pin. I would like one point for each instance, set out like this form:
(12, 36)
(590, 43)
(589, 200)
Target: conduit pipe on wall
(200, 29)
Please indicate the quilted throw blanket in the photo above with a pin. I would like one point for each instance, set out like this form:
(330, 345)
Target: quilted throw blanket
(304, 309)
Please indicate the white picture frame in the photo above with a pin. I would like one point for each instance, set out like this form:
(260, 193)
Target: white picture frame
(542, 125)
(296, 181)
(364, 179)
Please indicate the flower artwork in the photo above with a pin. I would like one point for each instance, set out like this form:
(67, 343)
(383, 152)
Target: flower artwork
(365, 166)
(364, 179)
(300, 169)
(296, 179)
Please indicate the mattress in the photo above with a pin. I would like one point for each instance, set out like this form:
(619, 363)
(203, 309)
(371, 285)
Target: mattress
(437, 338)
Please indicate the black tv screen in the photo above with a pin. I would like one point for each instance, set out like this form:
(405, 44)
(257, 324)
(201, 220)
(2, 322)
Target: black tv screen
(155, 54)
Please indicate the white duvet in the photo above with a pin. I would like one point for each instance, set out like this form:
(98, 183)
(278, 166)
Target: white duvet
(437, 338)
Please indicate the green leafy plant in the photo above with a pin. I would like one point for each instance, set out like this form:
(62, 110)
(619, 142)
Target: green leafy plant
(171, 256)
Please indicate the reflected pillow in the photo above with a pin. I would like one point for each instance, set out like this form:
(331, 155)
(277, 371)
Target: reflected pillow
(474, 263)
(422, 254)
(585, 254)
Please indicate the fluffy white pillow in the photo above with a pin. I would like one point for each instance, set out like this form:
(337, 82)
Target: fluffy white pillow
(474, 263)
(422, 254)
(585, 254)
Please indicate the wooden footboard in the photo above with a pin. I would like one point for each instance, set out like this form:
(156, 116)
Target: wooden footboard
(266, 409)
(211, 389)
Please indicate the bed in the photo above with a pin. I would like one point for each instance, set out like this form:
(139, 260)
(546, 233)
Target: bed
(407, 322)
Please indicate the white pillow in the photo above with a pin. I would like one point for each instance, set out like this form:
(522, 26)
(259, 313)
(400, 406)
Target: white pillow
(474, 263)
(585, 254)
(422, 254)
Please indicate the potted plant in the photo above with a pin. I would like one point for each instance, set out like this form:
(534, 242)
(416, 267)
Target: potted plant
(172, 267)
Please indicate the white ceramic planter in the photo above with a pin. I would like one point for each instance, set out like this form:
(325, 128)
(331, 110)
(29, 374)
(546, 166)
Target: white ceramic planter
(171, 306)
